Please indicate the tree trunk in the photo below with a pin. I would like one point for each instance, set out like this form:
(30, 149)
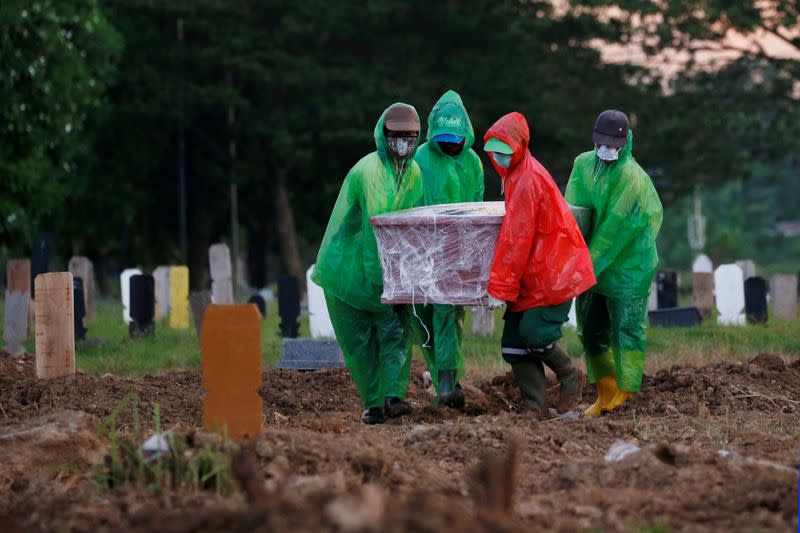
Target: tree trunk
(287, 230)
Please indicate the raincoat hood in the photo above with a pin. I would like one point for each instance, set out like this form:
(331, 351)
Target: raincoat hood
(385, 153)
(450, 116)
(513, 130)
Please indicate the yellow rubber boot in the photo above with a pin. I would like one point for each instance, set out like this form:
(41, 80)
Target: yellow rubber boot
(618, 399)
(606, 392)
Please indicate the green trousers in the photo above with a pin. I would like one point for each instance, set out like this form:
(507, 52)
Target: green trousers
(440, 338)
(612, 331)
(532, 329)
(376, 349)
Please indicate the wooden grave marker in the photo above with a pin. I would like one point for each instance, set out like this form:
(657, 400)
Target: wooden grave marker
(703, 292)
(179, 297)
(82, 267)
(55, 325)
(219, 259)
(17, 303)
(231, 347)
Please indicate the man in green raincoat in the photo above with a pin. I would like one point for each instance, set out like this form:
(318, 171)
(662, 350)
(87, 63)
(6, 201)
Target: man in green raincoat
(372, 336)
(451, 172)
(627, 216)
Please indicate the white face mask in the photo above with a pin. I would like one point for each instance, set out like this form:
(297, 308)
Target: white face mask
(502, 160)
(607, 153)
(402, 146)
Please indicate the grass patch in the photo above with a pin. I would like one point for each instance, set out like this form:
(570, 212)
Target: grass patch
(111, 349)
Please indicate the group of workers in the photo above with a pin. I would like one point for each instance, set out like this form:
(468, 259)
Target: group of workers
(541, 260)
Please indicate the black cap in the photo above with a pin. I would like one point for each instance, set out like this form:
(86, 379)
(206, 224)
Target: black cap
(611, 129)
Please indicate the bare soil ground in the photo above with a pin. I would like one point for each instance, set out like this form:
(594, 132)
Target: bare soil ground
(719, 452)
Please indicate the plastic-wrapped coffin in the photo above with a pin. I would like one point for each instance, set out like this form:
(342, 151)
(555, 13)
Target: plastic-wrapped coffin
(443, 253)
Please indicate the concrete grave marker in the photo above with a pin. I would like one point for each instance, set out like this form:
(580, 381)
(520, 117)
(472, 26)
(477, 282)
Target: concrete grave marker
(652, 297)
(81, 267)
(125, 291)
(667, 287)
(179, 297)
(231, 346)
(755, 300)
(199, 302)
(17, 303)
(289, 306)
(161, 277)
(748, 266)
(143, 305)
(219, 259)
(55, 325)
(310, 354)
(703, 264)
(783, 292)
(482, 322)
(78, 308)
(40, 260)
(259, 302)
(729, 294)
(703, 292)
(318, 317)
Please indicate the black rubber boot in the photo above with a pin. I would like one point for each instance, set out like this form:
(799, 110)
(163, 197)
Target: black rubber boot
(450, 392)
(529, 374)
(373, 415)
(570, 377)
(394, 406)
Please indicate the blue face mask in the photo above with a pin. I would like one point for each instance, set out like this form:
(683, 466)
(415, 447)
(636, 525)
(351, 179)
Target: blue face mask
(502, 160)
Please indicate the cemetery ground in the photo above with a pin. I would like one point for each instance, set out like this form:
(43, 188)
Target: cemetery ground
(716, 432)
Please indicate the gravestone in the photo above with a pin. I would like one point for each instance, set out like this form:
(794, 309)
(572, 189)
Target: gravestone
(729, 294)
(179, 297)
(143, 305)
(310, 354)
(482, 322)
(40, 260)
(219, 259)
(199, 302)
(81, 267)
(231, 348)
(79, 308)
(667, 287)
(748, 266)
(684, 317)
(652, 297)
(289, 306)
(161, 277)
(702, 263)
(259, 302)
(755, 300)
(17, 304)
(703, 292)
(318, 318)
(125, 291)
(783, 292)
(55, 325)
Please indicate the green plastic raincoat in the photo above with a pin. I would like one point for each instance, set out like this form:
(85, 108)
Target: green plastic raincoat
(374, 342)
(446, 179)
(627, 218)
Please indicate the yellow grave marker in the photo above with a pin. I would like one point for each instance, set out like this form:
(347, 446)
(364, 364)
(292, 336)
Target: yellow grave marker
(179, 297)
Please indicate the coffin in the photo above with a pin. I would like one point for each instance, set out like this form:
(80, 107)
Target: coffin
(442, 253)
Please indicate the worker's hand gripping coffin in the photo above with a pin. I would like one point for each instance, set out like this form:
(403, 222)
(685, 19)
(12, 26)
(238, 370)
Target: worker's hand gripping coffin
(443, 253)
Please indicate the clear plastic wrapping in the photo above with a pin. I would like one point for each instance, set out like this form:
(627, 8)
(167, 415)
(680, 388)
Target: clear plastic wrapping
(442, 253)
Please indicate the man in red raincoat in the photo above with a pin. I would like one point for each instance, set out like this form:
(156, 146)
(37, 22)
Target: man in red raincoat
(540, 264)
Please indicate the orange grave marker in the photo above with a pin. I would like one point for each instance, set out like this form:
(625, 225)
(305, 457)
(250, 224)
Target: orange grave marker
(55, 326)
(231, 341)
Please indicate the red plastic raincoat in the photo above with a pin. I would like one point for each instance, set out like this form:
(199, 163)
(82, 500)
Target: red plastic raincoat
(541, 258)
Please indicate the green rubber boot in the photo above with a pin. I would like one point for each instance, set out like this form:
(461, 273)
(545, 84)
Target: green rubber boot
(529, 374)
(570, 377)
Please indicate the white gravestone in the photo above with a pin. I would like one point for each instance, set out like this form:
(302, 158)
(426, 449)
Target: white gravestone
(161, 277)
(729, 294)
(319, 319)
(219, 260)
(652, 298)
(572, 317)
(482, 321)
(125, 291)
(783, 293)
(703, 264)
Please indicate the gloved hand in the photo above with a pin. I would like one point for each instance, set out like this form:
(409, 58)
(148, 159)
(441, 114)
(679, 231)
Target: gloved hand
(494, 303)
